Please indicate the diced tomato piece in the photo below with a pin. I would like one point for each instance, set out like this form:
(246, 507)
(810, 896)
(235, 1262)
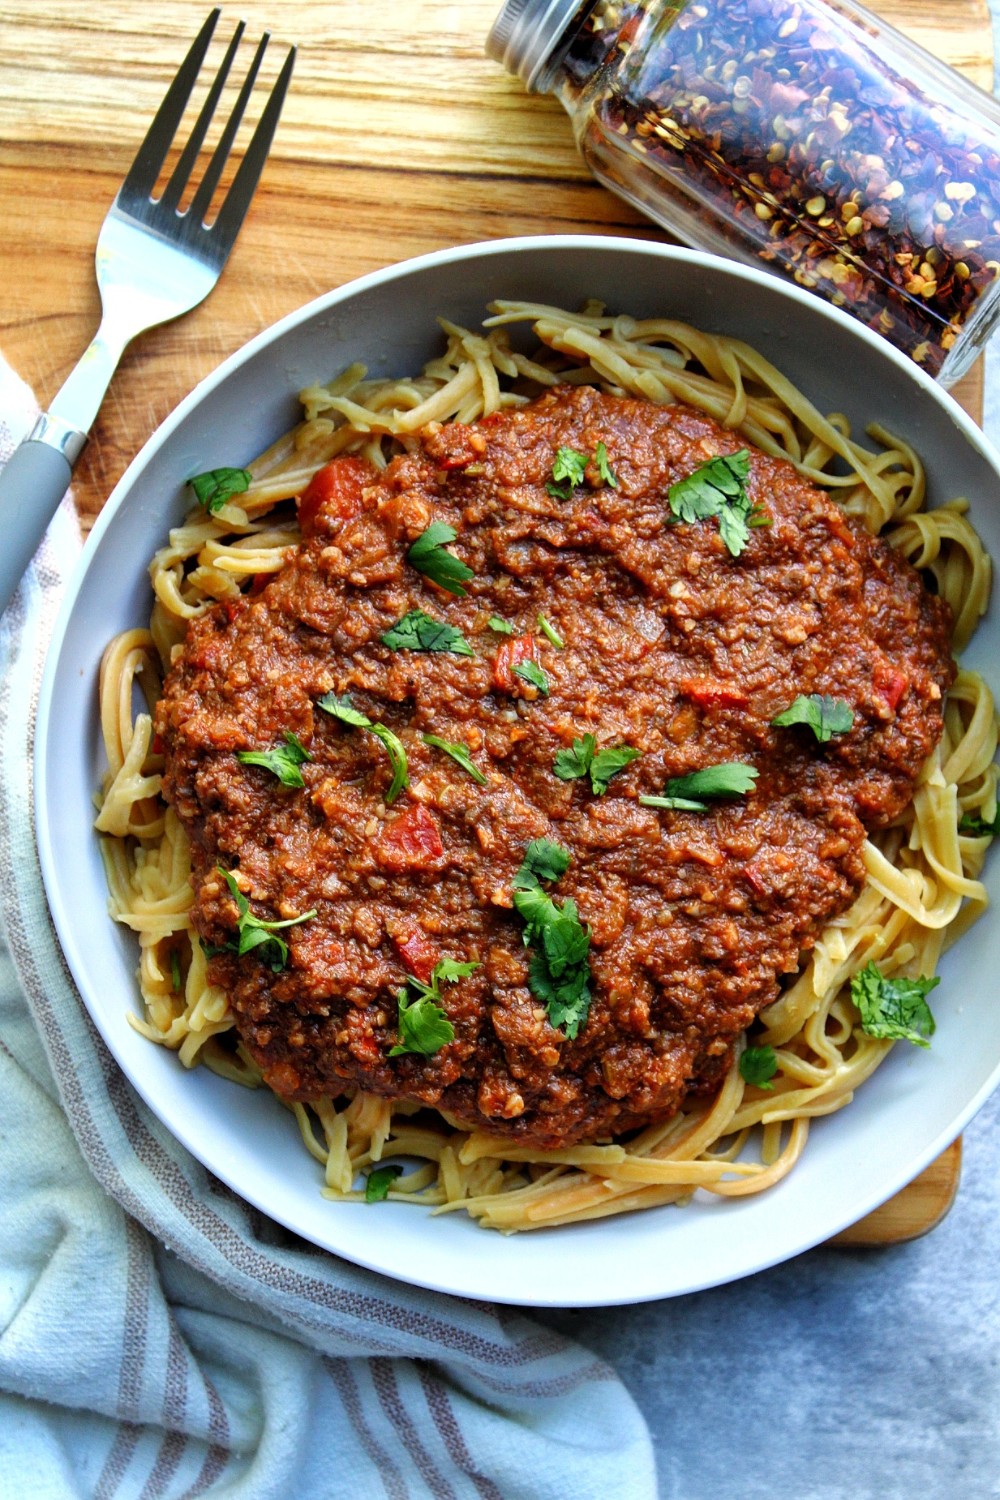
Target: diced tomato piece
(889, 684)
(258, 583)
(709, 693)
(417, 952)
(412, 841)
(511, 653)
(334, 494)
(158, 746)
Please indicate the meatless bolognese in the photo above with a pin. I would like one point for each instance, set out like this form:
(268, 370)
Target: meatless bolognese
(592, 706)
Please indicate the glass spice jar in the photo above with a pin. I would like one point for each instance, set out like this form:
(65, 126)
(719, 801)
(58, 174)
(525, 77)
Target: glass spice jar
(804, 135)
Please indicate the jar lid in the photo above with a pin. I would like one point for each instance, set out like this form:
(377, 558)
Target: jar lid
(524, 33)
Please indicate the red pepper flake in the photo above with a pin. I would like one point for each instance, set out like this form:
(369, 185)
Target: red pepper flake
(510, 654)
(412, 841)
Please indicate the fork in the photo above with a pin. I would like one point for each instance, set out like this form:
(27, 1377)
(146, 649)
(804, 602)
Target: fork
(154, 262)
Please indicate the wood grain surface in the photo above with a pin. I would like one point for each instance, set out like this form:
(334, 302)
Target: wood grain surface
(399, 136)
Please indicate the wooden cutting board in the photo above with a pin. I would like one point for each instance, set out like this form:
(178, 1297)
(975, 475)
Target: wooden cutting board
(399, 136)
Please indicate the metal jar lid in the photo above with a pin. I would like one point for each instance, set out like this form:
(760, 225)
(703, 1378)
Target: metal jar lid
(525, 32)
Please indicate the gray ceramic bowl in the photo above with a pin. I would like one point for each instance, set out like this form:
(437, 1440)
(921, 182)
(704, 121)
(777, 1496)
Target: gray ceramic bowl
(912, 1108)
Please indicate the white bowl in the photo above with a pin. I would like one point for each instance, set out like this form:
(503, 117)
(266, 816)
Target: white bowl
(902, 1118)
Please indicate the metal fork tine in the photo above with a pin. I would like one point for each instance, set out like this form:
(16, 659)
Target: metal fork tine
(171, 195)
(142, 175)
(210, 181)
(237, 200)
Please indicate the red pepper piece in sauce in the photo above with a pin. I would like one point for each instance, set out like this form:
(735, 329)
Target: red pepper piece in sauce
(890, 685)
(709, 693)
(417, 953)
(334, 493)
(510, 654)
(412, 841)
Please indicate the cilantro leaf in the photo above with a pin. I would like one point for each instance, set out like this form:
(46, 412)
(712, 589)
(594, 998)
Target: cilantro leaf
(397, 761)
(543, 860)
(253, 932)
(423, 1025)
(213, 488)
(175, 971)
(459, 753)
(979, 827)
(603, 467)
(584, 759)
(380, 1180)
(429, 555)
(717, 488)
(824, 715)
(417, 631)
(283, 761)
(344, 710)
(577, 760)
(529, 671)
(758, 1066)
(607, 763)
(550, 635)
(687, 793)
(501, 627)
(894, 1008)
(567, 472)
(559, 973)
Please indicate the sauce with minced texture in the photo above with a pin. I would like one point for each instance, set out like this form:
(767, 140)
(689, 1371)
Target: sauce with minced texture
(671, 645)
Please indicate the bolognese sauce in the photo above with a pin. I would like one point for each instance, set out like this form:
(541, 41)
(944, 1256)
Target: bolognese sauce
(659, 642)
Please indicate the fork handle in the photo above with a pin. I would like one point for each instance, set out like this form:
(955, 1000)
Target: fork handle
(32, 483)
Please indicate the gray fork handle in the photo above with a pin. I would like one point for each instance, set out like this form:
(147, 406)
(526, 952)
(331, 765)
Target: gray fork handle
(32, 483)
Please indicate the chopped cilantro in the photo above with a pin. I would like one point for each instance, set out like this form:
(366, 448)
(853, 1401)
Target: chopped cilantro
(418, 631)
(501, 627)
(717, 489)
(584, 759)
(979, 827)
(559, 973)
(550, 635)
(175, 971)
(567, 472)
(430, 556)
(894, 1008)
(603, 467)
(688, 793)
(397, 760)
(758, 1066)
(343, 709)
(543, 860)
(213, 488)
(423, 1025)
(283, 761)
(380, 1180)
(255, 933)
(459, 753)
(530, 671)
(824, 715)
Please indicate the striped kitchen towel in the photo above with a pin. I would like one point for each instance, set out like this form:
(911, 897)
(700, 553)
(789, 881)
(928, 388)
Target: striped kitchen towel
(159, 1337)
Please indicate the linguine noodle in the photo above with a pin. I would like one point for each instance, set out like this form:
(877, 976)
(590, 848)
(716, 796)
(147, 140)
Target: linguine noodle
(922, 888)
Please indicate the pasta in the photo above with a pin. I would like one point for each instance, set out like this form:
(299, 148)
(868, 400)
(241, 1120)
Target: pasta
(923, 888)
